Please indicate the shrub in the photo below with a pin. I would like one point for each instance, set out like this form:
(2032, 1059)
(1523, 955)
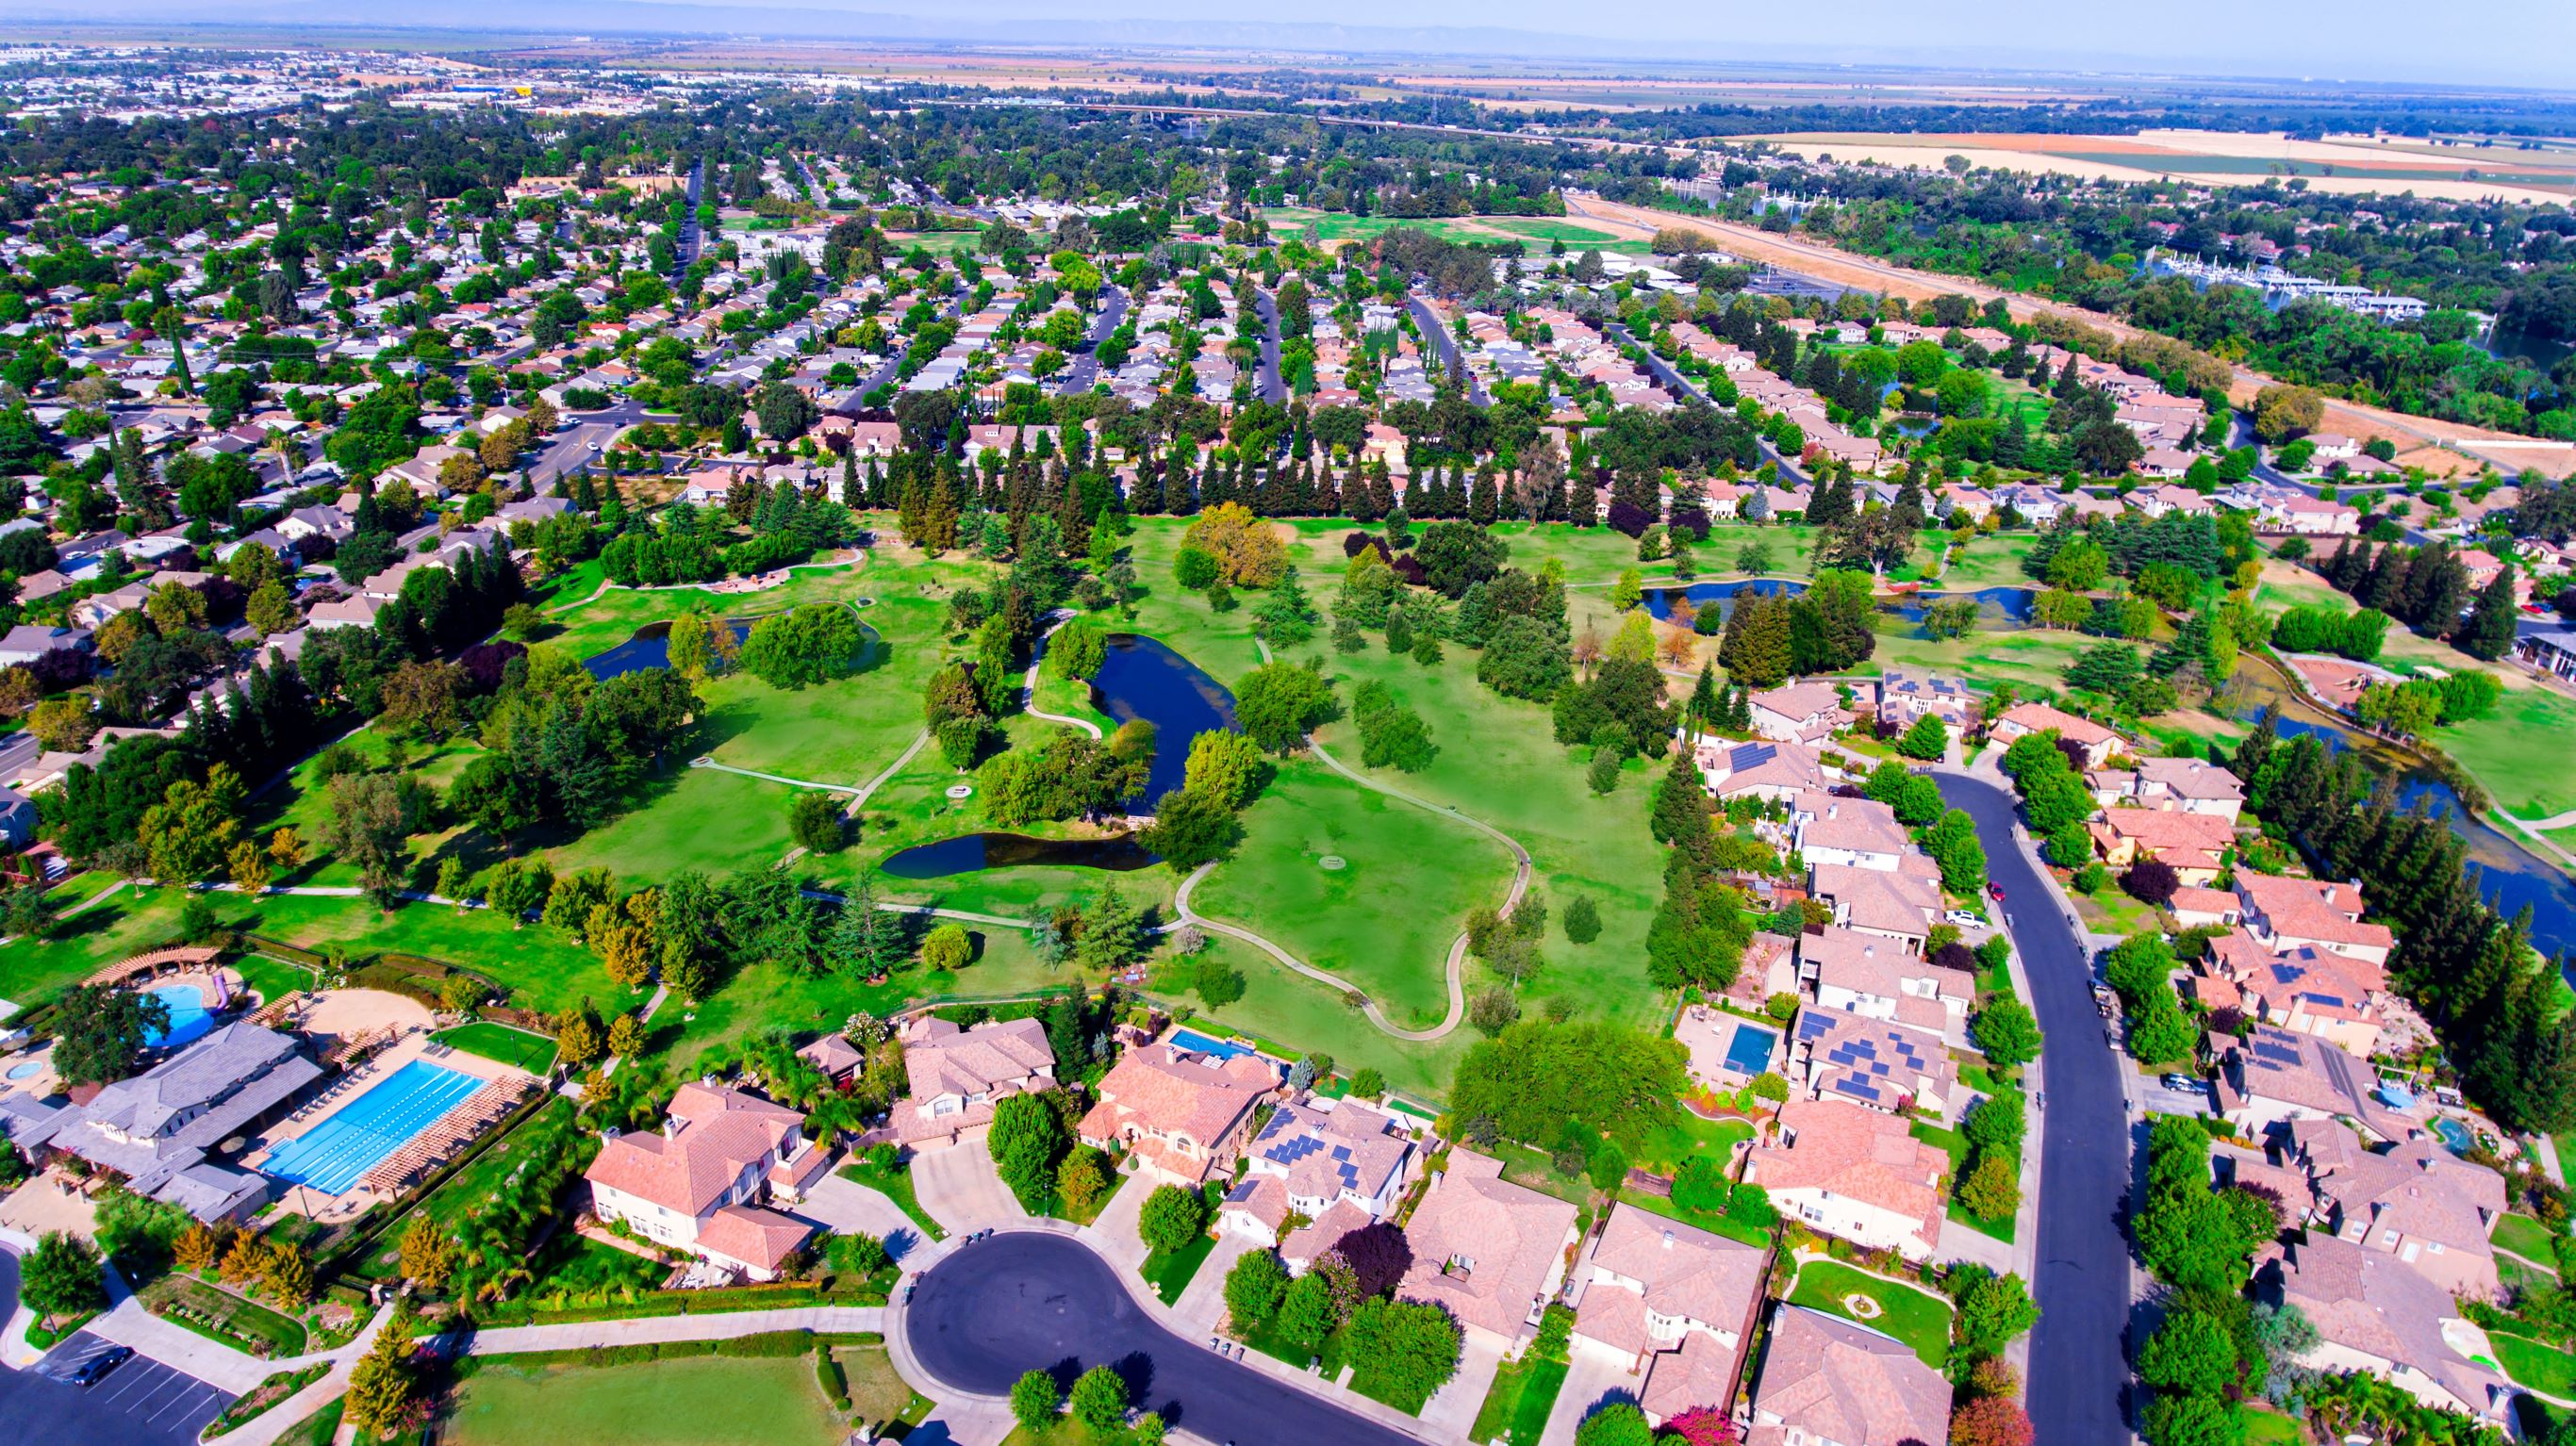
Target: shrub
(2151, 881)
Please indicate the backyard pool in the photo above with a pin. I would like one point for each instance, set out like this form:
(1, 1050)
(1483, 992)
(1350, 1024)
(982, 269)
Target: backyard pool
(2453, 1133)
(1749, 1053)
(333, 1154)
(1192, 1040)
(29, 1070)
(189, 1017)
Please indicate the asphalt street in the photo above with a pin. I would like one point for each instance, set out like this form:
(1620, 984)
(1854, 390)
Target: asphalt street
(1269, 387)
(1083, 368)
(1444, 345)
(2077, 1368)
(1681, 386)
(140, 1403)
(1025, 1301)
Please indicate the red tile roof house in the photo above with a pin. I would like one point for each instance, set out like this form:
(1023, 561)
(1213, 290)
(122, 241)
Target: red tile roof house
(2414, 1200)
(1767, 770)
(1184, 1114)
(956, 1075)
(2375, 1313)
(1489, 1251)
(2285, 913)
(2194, 844)
(1893, 907)
(1340, 1167)
(1861, 833)
(696, 1184)
(1828, 1380)
(1858, 1174)
(1799, 712)
(1675, 1304)
(2098, 742)
(2307, 989)
(1859, 973)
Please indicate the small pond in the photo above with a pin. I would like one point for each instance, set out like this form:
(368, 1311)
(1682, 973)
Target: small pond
(649, 648)
(2009, 604)
(1141, 678)
(970, 852)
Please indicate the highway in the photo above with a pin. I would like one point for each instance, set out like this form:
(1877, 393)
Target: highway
(1027, 1300)
(2077, 1367)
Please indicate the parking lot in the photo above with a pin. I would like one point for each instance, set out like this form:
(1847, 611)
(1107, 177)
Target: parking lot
(140, 1403)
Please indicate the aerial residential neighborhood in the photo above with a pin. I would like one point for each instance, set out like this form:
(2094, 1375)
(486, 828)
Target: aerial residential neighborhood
(1067, 731)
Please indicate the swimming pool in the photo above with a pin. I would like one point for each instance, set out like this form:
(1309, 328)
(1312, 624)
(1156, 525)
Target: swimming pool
(189, 1017)
(1191, 1039)
(29, 1070)
(1749, 1052)
(2454, 1134)
(333, 1154)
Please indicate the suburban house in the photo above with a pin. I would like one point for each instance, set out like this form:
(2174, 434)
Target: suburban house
(1905, 698)
(1860, 832)
(1828, 1380)
(2098, 742)
(1858, 1174)
(1857, 973)
(957, 1074)
(2193, 845)
(2414, 1200)
(698, 1183)
(2375, 1313)
(1490, 1252)
(1183, 1113)
(1877, 1064)
(2285, 913)
(159, 1128)
(1798, 712)
(1340, 1165)
(1674, 1303)
(1898, 906)
(2275, 1076)
(2187, 785)
(2306, 989)
(1773, 772)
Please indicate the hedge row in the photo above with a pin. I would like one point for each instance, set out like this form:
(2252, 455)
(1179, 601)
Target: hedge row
(768, 1345)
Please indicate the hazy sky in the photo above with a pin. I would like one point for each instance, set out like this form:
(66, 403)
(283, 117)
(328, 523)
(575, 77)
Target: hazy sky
(2520, 42)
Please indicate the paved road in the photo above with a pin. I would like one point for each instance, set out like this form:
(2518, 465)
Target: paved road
(2076, 1365)
(140, 1403)
(1083, 368)
(1444, 345)
(687, 249)
(1682, 387)
(1026, 1300)
(1268, 385)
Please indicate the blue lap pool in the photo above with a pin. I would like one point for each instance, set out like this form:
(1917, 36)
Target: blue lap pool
(1197, 1043)
(333, 1154)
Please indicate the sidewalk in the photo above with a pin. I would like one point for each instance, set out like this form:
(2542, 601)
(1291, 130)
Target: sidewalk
(649, 1330)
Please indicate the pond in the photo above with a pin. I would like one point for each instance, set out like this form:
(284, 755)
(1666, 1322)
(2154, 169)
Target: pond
(2508, 875)
(1141, 678)
(970, 852)
(2007, 604)
(649, 648)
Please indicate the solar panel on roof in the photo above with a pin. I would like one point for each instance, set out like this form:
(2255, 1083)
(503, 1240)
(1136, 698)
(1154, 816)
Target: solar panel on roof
(1242, 1190)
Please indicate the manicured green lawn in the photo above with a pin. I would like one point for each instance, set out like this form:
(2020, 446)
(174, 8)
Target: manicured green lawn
(2525, 1237)
(715, 1401)
(1516, 1406)
(217, 1313)
(1989, 560)
(2267, 1427)
(2545, 1369)
(1668, 1147)
(1385, 919)
(1957, 1146)
(2029, 658)
(531, 1052)
(1713, 1222)
(895, 1185)
(1921, 1321)
(1170, 1274)
(2507, 751)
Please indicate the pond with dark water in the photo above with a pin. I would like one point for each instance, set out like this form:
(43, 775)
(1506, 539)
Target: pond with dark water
(970, 852)
(649, 648)
(2008, 604)
(1139, 677)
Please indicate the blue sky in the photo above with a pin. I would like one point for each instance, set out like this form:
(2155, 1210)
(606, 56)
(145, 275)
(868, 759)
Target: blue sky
(2518, 42)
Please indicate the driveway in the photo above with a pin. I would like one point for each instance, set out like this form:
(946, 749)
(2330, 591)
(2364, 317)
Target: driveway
(959, 1187)
(1032, 1300)
(2086, 1151)
(1593, 1379)
(1451, 1411)
(1114, 1234)
(846, 1207)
